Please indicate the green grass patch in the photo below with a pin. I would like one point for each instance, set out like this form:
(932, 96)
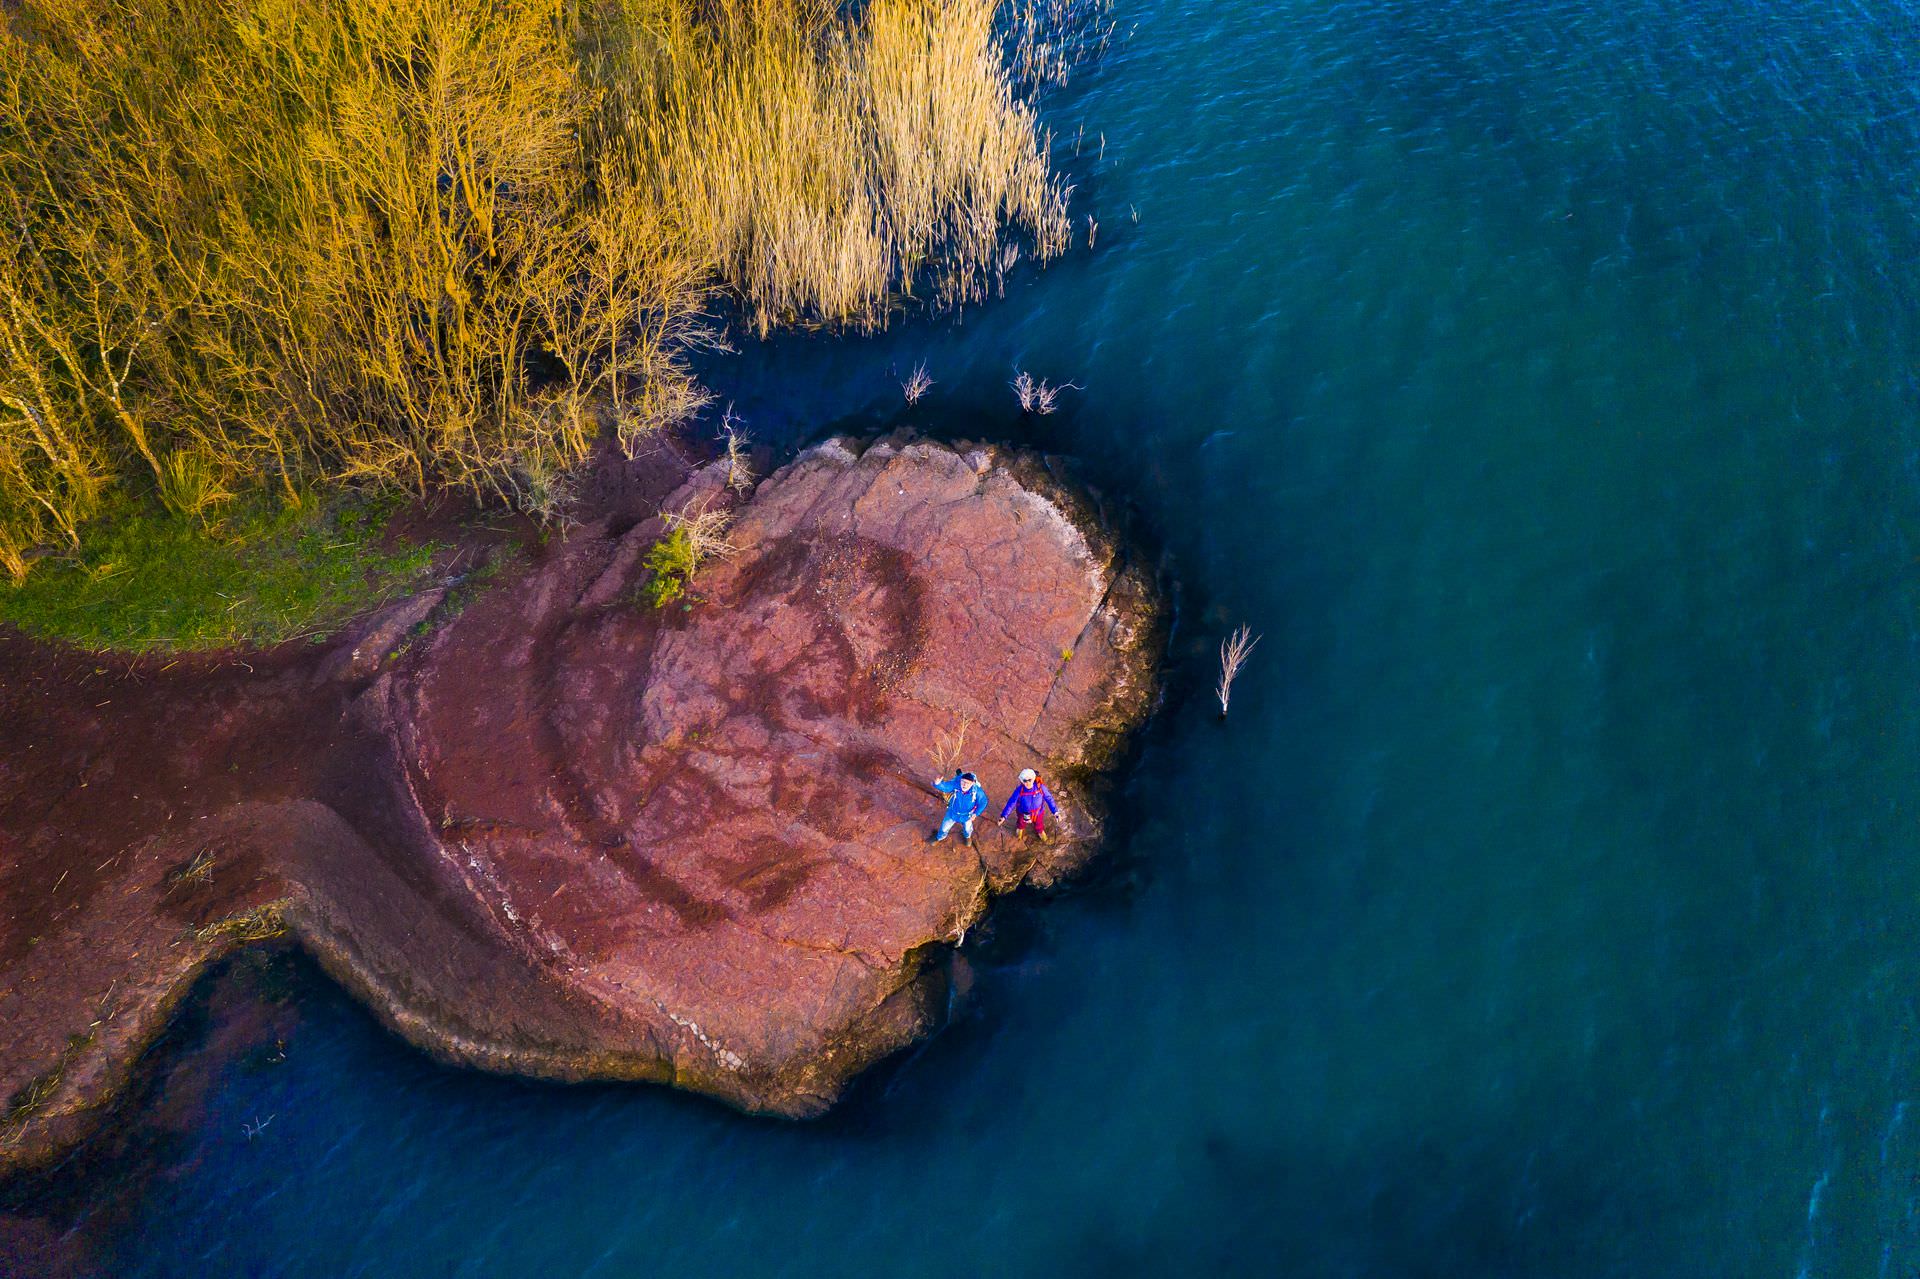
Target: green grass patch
(149, 579)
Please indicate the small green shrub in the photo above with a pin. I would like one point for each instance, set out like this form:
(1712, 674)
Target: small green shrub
(671, 563)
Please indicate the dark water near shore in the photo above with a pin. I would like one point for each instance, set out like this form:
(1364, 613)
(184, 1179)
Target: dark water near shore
(1540, 379)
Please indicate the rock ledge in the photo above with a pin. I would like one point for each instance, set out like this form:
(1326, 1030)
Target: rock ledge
(571, 836)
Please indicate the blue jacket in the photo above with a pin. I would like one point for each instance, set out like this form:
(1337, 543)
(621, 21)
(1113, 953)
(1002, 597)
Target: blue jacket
(964, 805)
(1029, 798)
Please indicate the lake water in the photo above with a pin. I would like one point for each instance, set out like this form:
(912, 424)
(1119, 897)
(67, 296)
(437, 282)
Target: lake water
(1540, 379)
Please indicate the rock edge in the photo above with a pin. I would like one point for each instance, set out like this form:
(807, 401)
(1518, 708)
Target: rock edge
(417, 920)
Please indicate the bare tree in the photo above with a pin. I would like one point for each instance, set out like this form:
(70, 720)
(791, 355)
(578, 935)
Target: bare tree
(1234, 652)
(917, 383)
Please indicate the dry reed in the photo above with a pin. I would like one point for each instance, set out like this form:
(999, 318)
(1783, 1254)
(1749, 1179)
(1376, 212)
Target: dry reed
(1037, 395)
(706, 534)
(949, 748)
(918, 383)
(1047, 39)
(826, 164)
(1234, 652)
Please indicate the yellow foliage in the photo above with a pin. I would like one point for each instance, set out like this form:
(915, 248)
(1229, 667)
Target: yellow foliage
(820, 164)
(190, 486)
(452, 243)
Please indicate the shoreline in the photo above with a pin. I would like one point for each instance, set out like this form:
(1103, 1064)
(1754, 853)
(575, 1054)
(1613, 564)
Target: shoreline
(295, 886)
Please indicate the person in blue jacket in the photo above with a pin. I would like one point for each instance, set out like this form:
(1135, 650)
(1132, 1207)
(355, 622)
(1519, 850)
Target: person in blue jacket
(1033, 801)
(966, 800)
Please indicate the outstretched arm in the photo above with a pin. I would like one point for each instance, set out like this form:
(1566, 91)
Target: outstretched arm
(1048, 796)
(1009, 807)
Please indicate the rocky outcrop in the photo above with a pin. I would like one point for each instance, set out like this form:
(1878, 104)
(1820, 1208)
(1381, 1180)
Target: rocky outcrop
(570, 835)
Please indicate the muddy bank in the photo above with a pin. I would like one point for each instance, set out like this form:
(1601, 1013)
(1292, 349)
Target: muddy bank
(553, 831)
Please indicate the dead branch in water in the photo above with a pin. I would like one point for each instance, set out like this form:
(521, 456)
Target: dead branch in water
(1234, 652)
(1037, 395)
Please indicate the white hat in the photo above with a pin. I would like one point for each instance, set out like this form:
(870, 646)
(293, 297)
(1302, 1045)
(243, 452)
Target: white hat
(1027, 774)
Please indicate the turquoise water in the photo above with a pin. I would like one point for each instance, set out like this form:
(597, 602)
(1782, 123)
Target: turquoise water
(1539, 378)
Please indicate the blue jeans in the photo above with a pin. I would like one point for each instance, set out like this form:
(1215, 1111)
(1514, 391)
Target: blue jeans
(966, 827)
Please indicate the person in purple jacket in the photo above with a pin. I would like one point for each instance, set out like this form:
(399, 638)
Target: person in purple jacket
(1032, 801)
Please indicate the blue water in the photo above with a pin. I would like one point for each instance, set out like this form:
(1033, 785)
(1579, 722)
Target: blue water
(1539, 378)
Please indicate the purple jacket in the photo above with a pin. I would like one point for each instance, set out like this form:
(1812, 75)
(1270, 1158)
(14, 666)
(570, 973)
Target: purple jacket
(1029, 798)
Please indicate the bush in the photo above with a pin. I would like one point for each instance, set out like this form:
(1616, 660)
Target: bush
(671, 564)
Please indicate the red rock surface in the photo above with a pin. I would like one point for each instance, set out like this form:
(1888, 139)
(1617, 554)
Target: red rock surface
(574, 836)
